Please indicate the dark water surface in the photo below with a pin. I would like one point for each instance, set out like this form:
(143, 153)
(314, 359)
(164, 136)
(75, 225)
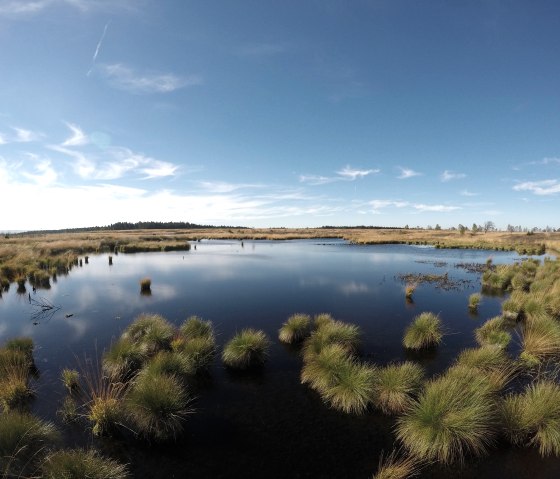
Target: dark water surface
(265, 424)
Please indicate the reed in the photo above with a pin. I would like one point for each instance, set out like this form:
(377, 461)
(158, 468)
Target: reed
(295, 329)
(424, 332)
(396, 385)
(82, 464)
(246, 349)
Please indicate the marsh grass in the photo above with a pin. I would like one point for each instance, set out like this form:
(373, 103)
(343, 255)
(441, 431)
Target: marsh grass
(24, 440)
(454, 416)
(331, 332)
(246, 349)
(396, 385)
(494, 332)
(22, 344)
(82, 464)
(15, 368)
(196, 327)
(319, 320)
(158, 405)
(124, 358)
(532, 418)
(397, 466)
(71, 379)
(68, 411)
(342, 382)
(424, 332)
(409, 291)
(474, 301)
(540, 339)
(152, 331)
(146, 286)
(295, 329)
(200, 352)
(172, 363)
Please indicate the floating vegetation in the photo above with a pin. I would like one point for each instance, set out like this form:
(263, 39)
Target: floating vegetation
(477, 268)
(441, 281)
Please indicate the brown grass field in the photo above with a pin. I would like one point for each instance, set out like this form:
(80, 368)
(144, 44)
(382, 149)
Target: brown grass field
(23, 255)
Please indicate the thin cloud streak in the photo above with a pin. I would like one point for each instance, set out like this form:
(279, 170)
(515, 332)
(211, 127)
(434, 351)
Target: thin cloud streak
(448, 175)
(419, 207)
(345, 174)
(78, 137)
(98, 48)
(125, 78)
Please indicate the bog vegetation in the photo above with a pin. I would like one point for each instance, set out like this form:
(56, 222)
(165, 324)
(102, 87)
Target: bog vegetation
(143, 388)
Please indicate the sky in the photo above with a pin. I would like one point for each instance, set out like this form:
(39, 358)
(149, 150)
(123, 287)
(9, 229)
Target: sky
(292, 113)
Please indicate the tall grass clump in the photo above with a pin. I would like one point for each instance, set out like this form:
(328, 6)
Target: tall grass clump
(396, 385)
(540, 339)
(333, 332)
(454, 416)
(197, 342)
(295, 329)
(533, 417)
(172, 363)
(494, 332)
(158, 405)
(24, 440)
(424, 332)
(14, 378)
(152, 331)
(342, 382)
(474, 301)
(82, 464)
(70, 378)
(247, 348)
(23, 344)
(196, 327)
(394, 466)
(321, 319)
(145, 286)
(124, 358)
(409, 291)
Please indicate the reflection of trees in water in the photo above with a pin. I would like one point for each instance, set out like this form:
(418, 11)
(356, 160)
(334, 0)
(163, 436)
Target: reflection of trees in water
(42, 310)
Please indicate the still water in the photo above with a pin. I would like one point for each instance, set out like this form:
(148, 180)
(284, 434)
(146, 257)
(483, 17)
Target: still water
(264, 424)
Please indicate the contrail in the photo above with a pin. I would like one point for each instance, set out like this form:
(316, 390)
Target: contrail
(98, 48)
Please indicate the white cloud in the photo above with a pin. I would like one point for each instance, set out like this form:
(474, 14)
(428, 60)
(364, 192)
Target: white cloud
(25, 136)
(420, 207)
(540, 188)
(125, 78)
(468, 193)
(317, 179)
(224, 187)
(30, 7)
(351, 173)
(46, 175)
(78, 137)
(407, 173)
(98, 48)
(450, 175)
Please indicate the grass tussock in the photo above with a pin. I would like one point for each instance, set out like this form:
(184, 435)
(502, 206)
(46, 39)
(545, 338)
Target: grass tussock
(396, 385)
(82, 464)
(395, 466)
(319, 320)
(424, 332)
(246, 349)
(494, 332)
(332, 332)
(196, 327)
(539, 340)
(474, 301)
(124, 358)
(24, 440)
(70, 378)
(295, 329)
(152, 331)
(342, 382)
(172, 363)
(145, 286)
(158, 405)
(15, 368)
(533, 417)
(454, 416)
(22, 344)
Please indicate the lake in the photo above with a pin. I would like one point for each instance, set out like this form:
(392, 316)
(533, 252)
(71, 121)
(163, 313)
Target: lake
(263, 424)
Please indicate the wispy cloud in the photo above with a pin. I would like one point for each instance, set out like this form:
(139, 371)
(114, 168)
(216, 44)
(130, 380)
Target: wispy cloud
(25, 136)
(345, 174)
(448, 175)
(45, 174)
(407, 173)
(468, 193)
(352, 173)
(125, 78)
(224, 187)
(377, 205)
(31, 7)
(540, 188)
(78, 137)
(98, 48)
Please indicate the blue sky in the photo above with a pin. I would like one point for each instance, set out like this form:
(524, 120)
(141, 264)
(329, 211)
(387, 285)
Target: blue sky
(279, 113)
